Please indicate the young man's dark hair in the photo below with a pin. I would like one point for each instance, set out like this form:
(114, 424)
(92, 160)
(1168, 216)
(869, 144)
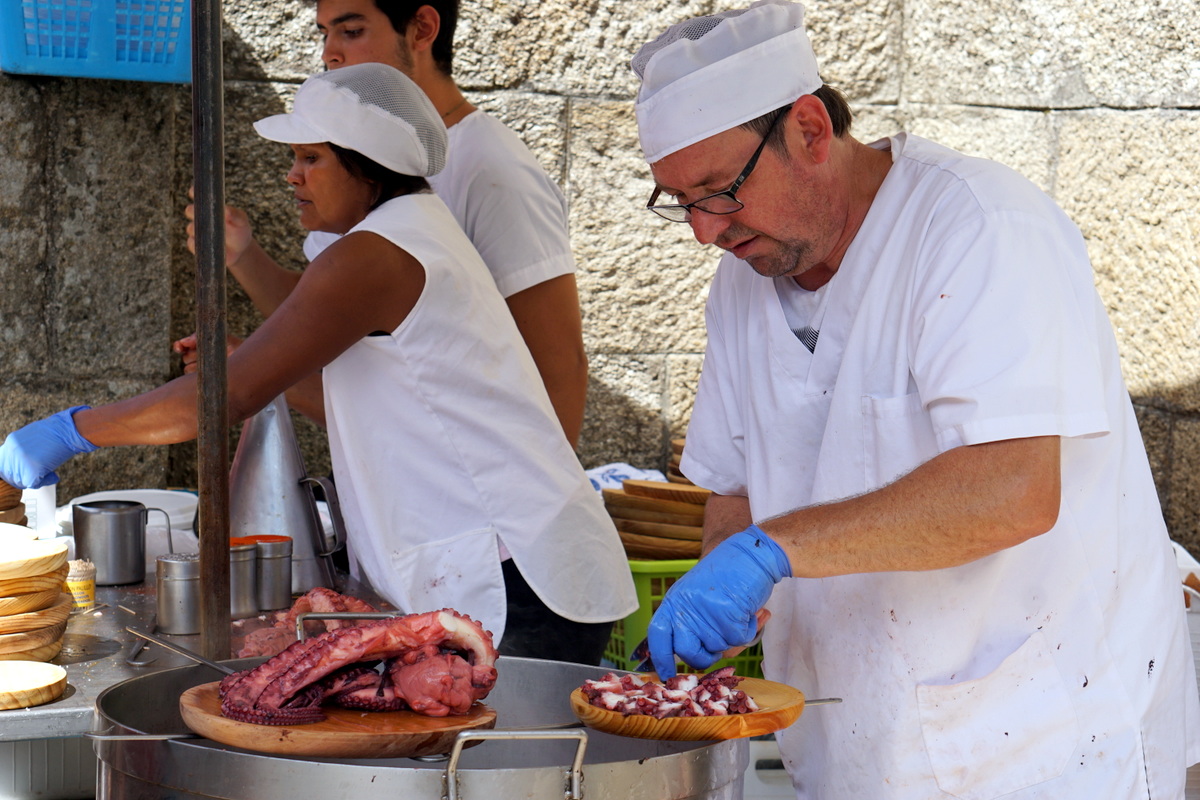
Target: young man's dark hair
(401, 13)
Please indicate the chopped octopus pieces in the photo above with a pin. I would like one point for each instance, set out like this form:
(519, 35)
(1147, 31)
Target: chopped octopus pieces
(713, 694)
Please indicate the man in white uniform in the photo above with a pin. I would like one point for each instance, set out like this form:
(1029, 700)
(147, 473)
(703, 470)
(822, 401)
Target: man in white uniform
(913, 389)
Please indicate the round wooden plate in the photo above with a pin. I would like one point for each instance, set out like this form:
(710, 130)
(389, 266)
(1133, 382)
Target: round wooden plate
(31, 601)
(684, 493)
(30, 683)
(687, 533)
(344, 733)
(29, 640)
(9, 495)
(53, 579)
(21, 559)
(656, 547)
(620, 499)
(16, 623)
(44, 653)
(14, 515)
(779, 705)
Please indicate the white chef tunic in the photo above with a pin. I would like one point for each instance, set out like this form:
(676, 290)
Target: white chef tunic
(512, 212)
(963, 312)
(445, 446)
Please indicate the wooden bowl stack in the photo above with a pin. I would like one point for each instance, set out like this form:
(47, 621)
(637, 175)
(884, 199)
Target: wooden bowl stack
(33, 605)
(658, 520)
(12, 510)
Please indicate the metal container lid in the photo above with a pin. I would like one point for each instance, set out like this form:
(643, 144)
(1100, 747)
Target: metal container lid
(242, 549)
(271, 546)
(179, 566)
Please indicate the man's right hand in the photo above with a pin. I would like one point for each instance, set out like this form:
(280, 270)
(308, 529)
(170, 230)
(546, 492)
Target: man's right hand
(189, 349)
(239, 235)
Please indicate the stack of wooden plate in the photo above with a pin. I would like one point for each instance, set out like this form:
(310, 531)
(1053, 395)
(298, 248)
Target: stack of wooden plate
(12, 510)
(673, 473)
(658, 520)
(33, 605)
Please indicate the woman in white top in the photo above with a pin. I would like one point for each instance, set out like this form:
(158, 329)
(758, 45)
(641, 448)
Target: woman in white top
(449, 458)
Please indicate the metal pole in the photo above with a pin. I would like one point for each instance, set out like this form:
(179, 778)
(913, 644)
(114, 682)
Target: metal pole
(208, 151)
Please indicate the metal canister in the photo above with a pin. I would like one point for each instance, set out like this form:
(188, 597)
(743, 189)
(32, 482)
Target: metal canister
(243, 582)
(178, 593)
(274, 571)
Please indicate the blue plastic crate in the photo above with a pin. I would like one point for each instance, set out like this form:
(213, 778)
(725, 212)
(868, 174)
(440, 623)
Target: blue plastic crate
(134, 40)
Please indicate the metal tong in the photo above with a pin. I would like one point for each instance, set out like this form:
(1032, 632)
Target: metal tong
(136, 647)
(183, 651)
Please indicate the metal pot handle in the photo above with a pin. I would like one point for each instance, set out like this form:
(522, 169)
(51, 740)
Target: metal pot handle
(574, 777)
(335, 514)
(105, 736)
(301, 635)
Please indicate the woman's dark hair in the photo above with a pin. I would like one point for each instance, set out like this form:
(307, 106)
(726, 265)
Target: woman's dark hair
(835, 104)
(387, 184)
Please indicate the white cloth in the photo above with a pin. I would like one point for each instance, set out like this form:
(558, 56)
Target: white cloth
(963, 312)
(444, 443)
(512, 212)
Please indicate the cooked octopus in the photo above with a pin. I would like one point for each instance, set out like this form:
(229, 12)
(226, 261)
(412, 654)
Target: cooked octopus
(269, 641)
(685, 695)
(437, 663)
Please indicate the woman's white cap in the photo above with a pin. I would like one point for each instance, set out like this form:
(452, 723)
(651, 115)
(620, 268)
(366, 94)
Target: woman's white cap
(709, 74)
(373, 109)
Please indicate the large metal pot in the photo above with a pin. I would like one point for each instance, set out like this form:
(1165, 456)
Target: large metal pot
(530, 696)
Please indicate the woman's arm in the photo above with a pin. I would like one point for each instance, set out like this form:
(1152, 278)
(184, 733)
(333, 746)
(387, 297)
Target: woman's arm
(361, 284)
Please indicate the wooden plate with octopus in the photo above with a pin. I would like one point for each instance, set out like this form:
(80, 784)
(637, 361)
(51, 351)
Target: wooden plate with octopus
(779, 705)
(344, 733)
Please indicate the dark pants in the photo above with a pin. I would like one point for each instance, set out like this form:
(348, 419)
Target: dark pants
(534, 631)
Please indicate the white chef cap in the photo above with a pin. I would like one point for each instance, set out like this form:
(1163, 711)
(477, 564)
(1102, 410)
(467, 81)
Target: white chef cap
(709, 74)
(373, 109)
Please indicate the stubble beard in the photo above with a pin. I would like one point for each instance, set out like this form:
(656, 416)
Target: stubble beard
(787, 257)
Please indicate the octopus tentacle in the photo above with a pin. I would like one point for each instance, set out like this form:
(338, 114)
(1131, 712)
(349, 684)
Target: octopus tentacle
(438, 663)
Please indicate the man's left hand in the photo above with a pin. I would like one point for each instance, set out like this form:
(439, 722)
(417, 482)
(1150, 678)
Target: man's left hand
(714, 605)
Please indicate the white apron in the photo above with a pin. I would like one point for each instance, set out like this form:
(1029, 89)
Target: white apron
(445, 446)
(1059, 668)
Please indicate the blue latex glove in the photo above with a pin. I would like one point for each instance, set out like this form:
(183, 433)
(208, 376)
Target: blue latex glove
(30, 455)
(713, 606)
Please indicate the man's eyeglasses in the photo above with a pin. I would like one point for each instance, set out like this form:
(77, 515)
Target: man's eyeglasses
(725, 202)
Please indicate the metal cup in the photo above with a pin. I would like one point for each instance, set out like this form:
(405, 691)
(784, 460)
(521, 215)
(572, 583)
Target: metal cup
(112, 535)
(178, 593)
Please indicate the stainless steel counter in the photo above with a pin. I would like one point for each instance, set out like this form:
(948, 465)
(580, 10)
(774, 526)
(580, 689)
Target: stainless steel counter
(95, 648)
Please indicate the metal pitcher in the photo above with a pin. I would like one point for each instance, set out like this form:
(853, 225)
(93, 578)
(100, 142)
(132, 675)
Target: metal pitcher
(270, 493)
(112, 535)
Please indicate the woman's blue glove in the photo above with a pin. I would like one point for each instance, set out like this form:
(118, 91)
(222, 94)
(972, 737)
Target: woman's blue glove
(30, 455)
(713, 606)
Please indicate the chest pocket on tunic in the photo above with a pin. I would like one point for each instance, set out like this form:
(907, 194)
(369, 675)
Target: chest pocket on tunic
(897, 438)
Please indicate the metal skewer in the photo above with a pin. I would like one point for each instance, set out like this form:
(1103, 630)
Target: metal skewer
(183, 651)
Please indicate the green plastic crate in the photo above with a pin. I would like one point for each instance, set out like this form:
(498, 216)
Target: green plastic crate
(651, 579)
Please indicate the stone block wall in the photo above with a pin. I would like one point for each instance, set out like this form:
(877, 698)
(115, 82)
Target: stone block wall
(1097, 104)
